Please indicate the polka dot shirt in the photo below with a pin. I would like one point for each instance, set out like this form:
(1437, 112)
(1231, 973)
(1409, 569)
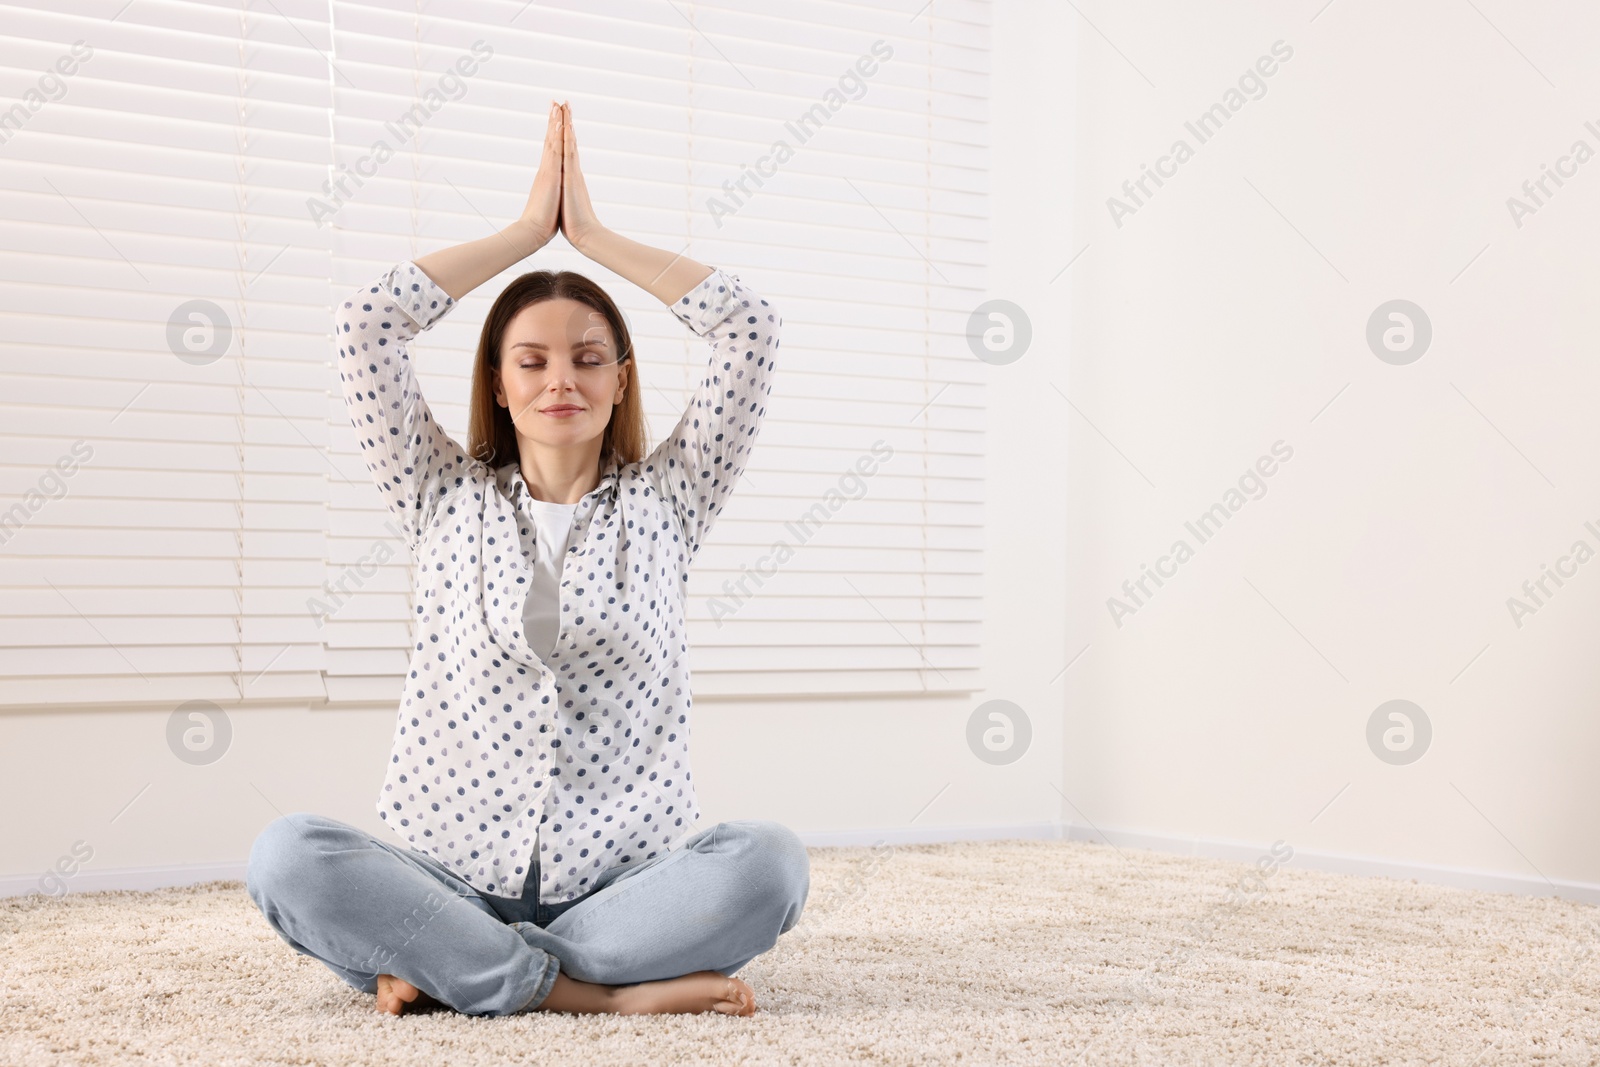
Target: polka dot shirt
(581, 753)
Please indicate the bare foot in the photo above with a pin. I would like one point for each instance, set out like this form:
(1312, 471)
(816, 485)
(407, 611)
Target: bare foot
(689, 994)
(397, 994)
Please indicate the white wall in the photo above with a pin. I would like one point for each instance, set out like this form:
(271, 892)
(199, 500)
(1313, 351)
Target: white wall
(1213, 323)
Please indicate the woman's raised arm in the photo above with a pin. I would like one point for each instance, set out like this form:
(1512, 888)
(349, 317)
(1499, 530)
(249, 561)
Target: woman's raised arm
(660, 273)
(462, 268)
(699, 462)
(414, 462)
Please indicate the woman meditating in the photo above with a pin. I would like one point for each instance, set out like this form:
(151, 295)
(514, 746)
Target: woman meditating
(539, 782)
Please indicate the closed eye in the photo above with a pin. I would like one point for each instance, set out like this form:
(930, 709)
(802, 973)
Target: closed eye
(588, 359)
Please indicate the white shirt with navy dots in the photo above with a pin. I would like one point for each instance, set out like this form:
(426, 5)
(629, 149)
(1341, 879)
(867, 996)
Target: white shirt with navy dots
(581, 753)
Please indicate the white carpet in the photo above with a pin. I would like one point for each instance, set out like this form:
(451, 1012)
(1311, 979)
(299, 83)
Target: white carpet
(989, 952)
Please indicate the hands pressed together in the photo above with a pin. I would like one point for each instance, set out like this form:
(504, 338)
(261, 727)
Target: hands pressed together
(559, 199)
(559, 203)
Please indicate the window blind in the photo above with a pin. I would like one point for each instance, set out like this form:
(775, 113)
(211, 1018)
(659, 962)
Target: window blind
(165, 302)
(869, 235)
(271, 157)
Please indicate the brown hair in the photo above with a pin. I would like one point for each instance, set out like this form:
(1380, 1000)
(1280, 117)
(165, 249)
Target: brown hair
(491, 435)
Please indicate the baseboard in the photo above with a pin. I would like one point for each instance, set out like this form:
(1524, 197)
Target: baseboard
(932, 835)
(89, 880)
(1341, 863)
(145, 878)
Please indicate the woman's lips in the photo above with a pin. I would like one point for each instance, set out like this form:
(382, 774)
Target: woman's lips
(562, 411)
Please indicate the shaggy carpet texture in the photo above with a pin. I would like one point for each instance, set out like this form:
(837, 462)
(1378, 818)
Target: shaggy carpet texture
(1010, 952)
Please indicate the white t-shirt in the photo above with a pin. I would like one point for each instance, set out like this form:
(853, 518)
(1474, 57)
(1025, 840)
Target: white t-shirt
(541, 616)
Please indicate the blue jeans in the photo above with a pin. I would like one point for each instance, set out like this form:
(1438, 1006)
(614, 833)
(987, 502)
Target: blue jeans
(365, 907)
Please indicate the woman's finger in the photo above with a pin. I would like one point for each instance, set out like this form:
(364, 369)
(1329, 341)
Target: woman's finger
(542, 212)
(552, 133)
(569, 134)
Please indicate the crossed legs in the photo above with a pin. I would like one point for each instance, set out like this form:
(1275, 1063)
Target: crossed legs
(663, 935)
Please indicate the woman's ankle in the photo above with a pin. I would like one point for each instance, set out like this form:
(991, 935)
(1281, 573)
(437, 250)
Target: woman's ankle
(569, 994)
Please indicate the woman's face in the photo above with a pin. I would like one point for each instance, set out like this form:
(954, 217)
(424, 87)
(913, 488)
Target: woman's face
(559, 355)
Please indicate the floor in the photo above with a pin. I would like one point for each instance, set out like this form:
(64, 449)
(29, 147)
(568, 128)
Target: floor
(1011, 952)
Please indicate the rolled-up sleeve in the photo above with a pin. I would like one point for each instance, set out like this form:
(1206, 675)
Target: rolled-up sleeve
(414, 462)
(697, 465)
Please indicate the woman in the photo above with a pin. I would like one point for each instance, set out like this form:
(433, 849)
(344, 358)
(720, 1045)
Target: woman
(540, 775)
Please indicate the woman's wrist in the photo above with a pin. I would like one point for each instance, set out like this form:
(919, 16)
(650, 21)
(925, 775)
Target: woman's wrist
(523, 235)
(585, 241)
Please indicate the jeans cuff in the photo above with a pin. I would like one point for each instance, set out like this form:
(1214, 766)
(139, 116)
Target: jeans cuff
(547, 982)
